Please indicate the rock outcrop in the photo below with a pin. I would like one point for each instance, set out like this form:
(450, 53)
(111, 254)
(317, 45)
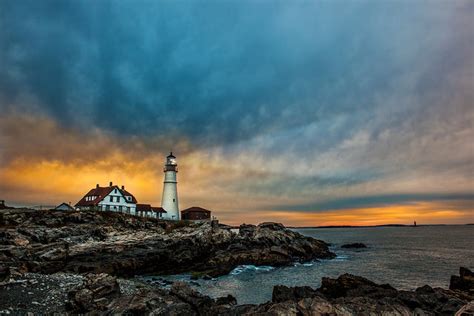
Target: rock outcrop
(123, 245)
(105, 294)
(354, 295)
(463, 282)
(354, 245)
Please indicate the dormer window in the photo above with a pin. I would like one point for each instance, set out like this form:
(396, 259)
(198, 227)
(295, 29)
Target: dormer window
(115, 191)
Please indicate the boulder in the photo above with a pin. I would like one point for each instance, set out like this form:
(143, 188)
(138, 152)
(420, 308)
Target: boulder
(283, 293)
(354, 245)
(463, 282)
(94, 294)
(4, 273)
(351, 285)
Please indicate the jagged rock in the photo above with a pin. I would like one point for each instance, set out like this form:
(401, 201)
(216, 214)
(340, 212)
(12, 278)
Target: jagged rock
(247, 230)
(463, 282)
(101, 294)
(354, 295)
(83, 300)
(124, 245)
(94, 294)
(351, 285)
(283, 293)
(228, 300)
(354, 245)
(272, 226)
(4, 273)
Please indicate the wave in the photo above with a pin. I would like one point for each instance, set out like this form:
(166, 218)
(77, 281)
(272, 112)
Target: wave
(306, 264)
(251, 268)
(341, 258)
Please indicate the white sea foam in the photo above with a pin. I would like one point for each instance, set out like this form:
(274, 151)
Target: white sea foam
(249, 267)
(306, 264)
(341, 258)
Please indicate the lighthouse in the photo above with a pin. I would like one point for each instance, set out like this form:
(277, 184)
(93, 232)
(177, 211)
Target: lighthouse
(169, 201)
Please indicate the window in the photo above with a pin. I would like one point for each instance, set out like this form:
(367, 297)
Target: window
(115, 191)
(120, 208)
(128, 210)
(107, 207)
(174, 200)
(111, 199)
(118, 198)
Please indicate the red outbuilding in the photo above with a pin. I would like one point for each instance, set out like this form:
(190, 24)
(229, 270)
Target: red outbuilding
(195, 214)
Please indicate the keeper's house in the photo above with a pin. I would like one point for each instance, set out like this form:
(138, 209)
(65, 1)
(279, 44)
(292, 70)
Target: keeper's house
(111, 198)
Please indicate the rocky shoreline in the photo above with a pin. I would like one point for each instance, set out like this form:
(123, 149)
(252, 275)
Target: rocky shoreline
(81, 262)
(124, 245)
(66, 293)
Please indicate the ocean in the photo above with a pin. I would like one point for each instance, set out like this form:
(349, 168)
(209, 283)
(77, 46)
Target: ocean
(404, 257)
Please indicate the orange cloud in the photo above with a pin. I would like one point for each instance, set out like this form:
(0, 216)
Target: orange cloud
(45, 164)
(423, 212)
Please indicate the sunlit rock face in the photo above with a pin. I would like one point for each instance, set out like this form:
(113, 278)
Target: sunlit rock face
(120, 244)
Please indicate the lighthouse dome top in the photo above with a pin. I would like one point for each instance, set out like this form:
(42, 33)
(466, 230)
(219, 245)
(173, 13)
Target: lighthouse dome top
(171, 160)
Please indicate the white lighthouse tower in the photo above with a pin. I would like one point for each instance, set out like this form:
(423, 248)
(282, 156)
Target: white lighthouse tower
(169, 200)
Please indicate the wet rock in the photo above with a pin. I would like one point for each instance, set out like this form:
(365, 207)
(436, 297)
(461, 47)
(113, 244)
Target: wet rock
(184, 292)
(283, 293)
(351, 285)
(228, 300)
(100, 294)
(354, 245)
(463, 282)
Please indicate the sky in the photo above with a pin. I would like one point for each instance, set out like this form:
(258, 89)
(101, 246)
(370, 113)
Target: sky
(301, 112)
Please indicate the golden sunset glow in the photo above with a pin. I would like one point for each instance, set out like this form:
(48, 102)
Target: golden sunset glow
(271, 116)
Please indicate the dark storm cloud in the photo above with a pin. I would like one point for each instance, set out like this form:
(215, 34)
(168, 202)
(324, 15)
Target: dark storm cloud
(215, 72)
(304, 105)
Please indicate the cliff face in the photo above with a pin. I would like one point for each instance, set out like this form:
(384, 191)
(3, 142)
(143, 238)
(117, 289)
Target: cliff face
(122, 245)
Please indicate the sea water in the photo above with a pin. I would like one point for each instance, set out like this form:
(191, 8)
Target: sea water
(405, 257)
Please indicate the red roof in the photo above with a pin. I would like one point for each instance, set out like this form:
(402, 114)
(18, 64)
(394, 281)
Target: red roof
(126, 193)
(100, 193)
(158, 209)
(195, 209)
(149, 208)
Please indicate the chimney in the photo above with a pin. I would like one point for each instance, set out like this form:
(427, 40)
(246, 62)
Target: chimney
(123, 187)
(97, 185)
(110, 184)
